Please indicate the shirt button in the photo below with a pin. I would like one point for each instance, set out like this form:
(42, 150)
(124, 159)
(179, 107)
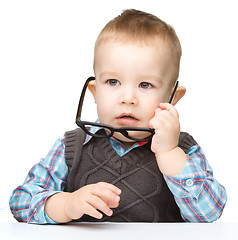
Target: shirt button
(189, 182)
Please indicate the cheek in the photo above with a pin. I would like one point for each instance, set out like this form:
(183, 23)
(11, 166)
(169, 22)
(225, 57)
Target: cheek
(149, 112)
(152, 102)
(149, 107)
(103, 109)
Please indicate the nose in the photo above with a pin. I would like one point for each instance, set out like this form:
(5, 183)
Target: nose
(128, 96)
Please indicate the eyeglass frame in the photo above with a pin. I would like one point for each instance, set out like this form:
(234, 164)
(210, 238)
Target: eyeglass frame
(122, 130)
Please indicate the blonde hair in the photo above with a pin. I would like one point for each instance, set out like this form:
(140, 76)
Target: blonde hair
(141, 27)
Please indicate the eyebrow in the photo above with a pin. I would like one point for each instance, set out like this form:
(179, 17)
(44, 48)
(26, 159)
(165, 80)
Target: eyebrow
(158, 79)
(109, 74)
(116, 74)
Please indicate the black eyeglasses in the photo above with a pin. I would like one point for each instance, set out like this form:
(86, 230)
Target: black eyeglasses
(110, 130)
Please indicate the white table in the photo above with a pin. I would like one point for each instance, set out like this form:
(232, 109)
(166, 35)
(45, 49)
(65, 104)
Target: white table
(122, 231)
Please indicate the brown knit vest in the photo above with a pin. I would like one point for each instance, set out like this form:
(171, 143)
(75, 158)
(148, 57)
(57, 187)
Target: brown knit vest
(145, 196)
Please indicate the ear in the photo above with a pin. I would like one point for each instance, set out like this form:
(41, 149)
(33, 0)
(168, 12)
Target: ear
(92, 89)
(180, 92)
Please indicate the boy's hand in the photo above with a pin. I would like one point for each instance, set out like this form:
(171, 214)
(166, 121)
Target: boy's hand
(170, 158)
(90, 198)
(167, 128)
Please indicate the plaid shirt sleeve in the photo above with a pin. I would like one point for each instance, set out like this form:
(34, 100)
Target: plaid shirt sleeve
(44, 179)
(199, 196)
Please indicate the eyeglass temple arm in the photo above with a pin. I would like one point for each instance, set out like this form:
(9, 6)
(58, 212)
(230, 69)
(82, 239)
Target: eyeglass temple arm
(78, 116)
(174, 91)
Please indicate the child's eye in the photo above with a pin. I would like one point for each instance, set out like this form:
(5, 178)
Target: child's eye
(113, 82)
(145, 85)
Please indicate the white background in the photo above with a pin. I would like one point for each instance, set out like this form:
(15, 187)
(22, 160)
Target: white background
(46, 54)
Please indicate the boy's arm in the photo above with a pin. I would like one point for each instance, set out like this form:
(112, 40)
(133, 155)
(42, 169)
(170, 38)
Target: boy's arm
(199, 196)
(41, 199)
(44, 179)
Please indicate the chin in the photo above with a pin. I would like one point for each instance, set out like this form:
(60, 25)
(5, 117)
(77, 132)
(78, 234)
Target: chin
(127, 140)
(123, 139)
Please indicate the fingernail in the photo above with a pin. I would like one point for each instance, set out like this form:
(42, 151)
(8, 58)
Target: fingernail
(119, 191)
(117, 198)
(110, 213)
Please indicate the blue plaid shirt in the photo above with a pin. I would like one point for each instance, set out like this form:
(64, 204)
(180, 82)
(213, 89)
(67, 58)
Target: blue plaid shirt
(199, 196)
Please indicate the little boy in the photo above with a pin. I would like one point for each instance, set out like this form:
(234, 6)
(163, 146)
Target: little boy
(119, 178)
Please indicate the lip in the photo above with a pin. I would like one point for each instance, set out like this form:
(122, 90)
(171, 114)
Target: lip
(127, 119)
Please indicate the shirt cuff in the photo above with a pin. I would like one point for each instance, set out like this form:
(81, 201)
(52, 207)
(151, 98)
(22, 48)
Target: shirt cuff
(37, 214)
(189, 183)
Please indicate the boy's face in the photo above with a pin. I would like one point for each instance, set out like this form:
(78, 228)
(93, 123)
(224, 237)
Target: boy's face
(131, 81)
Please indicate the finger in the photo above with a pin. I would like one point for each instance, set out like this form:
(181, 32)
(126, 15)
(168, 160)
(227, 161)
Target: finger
(158, 126)
(108, 196)
(161, 114)
(158, 110)
(164, 111)
(99, 204)
(166, 106)
(156, 123)
(88, 209)
(161, 120)
(169, 107)
(110, 187)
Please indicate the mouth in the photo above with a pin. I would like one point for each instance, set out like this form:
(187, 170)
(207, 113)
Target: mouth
(127, 116)
(127, 119)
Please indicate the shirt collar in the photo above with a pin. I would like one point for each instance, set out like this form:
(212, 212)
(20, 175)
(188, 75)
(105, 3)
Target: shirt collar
(117, 145)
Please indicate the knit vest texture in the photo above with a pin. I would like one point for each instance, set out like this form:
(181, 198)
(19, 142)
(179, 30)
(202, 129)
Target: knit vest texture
(145, 195)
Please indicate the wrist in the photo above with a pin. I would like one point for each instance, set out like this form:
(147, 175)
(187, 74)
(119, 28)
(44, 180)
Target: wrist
(55, 207)
(67, 206)
(171, 162)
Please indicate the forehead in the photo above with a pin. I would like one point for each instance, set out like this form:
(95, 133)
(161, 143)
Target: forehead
(124, 40)
(111, 56)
